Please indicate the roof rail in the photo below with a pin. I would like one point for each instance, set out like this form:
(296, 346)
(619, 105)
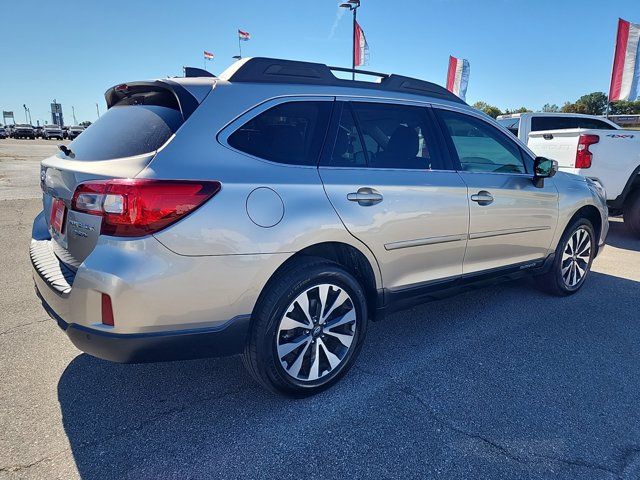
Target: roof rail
(273, 70)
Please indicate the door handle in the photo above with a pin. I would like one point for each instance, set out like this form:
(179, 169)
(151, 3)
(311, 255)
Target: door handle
(365, 196)
(483, 198)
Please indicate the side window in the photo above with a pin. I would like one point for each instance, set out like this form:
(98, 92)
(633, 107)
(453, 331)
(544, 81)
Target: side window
(289, 133)
(347, 150)
(397, 136)
(481, 147)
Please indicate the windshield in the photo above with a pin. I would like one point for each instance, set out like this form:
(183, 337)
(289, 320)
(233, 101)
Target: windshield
(511, 124)
(126, 130)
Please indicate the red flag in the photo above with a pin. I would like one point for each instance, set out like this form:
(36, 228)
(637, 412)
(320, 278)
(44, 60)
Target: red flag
(625, 77)
(360, 47)
(458, 76)
(208, 55)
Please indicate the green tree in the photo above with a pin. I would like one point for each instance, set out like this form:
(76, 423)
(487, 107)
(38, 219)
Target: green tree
(550, 107)
(488, 109)
(569, 107)
(517, 110)
(624, 107)
(592, 104)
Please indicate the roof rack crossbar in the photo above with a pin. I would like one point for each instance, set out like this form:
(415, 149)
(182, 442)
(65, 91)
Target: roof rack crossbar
(196, 72)
(361, 72)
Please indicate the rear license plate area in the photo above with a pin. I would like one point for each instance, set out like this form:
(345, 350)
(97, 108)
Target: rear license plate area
(58, 214)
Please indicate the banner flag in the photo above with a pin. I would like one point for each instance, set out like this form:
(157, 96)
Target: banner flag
(208, 55)
(243, 35)
(458, 76)
(625, 77)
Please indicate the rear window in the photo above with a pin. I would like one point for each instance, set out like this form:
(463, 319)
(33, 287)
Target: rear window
(287, 133)
(563, 123)
(136, 125)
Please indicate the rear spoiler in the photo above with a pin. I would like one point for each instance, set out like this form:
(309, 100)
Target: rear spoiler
(186, 101)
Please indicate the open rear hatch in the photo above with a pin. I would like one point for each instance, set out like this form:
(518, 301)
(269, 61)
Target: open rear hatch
(141, 118)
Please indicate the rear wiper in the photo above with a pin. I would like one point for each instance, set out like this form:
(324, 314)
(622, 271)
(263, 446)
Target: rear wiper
(67, 151)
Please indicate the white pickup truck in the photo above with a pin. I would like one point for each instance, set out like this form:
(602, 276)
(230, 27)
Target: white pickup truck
(590, 146)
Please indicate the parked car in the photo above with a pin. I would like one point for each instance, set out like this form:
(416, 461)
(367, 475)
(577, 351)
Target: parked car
(592, 147)
(319, 204)
(52, 131)
(22, 130)
(74, 131)
(3, 133)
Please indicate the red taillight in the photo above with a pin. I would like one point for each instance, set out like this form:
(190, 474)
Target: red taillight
(137, 207)
(583, 155)
(107, 310)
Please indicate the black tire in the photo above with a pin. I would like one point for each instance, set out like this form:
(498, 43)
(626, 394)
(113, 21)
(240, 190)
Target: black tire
(632, 213)
(261, 352)
(552, 281)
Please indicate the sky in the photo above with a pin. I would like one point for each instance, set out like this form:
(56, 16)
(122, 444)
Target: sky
(522, 52)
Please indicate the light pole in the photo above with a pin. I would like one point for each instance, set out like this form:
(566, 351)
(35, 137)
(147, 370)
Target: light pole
(73, 111)
(98, 110)
(353, 6)
(27, 114)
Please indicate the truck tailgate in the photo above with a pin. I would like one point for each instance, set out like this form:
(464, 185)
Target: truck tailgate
(559, 145)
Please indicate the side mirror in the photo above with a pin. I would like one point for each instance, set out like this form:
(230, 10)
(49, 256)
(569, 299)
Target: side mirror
(543, 168)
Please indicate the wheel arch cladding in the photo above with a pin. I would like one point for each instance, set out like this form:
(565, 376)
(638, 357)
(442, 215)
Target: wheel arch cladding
(344, 255)
(592, 214)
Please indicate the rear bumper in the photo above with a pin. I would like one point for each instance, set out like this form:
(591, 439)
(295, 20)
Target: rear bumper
(227, 339)
(166, 306)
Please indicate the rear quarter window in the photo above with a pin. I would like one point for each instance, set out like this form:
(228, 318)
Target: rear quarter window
(290, 133)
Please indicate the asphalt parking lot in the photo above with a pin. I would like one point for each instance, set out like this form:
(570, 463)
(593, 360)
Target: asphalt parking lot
(504, 382)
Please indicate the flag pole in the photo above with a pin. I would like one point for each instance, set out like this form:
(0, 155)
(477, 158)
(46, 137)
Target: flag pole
(353, 47)
(239, 44)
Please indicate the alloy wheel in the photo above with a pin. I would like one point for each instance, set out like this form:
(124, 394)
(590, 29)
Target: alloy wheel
(576, 257)
(316, 332)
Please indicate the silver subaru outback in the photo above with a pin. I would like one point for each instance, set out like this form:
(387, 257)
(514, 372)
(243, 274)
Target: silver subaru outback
(276, 209)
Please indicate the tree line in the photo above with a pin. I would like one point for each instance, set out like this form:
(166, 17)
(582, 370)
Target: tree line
(591, 104)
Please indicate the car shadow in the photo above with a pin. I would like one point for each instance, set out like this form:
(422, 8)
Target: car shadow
(620, 237)
(510, 379)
